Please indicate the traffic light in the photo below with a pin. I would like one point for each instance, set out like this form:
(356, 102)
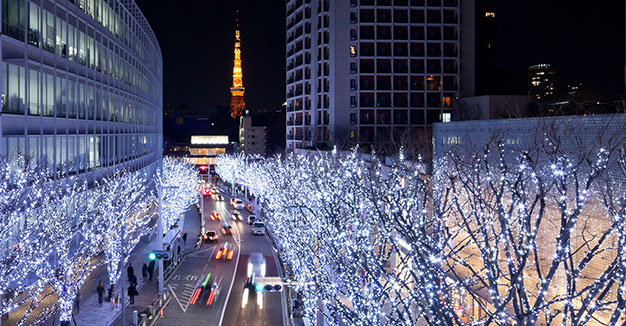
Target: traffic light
(268, 284)
(160, 254)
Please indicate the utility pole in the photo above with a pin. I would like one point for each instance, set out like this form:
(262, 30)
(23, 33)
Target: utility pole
(122, 276)
(160, 240)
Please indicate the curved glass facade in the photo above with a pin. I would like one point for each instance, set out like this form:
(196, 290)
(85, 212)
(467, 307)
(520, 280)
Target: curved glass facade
(81, 84)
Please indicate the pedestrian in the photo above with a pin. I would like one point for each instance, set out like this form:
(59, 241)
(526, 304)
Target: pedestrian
(144, 272)
(185, 238)
(110, 297)
(132, 279)
(130, 270)
(132, 292)
(151, 269)
(100, 290)
(77, 302)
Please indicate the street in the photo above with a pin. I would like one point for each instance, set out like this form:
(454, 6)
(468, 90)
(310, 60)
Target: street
(195, 267)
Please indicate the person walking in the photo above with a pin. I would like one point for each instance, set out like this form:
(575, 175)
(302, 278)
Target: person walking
(144, 272)
(132, 292)
(100, 290)
(130, 271)
(151, 269)
(185, 238)
(132, 279)
(77, 302)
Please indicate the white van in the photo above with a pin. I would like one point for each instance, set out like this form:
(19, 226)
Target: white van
(258, 228)
(238, 204)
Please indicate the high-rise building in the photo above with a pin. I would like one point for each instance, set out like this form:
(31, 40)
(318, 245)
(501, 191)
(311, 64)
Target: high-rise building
(237, 104)
(541, 82)
(369, 72)
(81, 85)
(252, 136)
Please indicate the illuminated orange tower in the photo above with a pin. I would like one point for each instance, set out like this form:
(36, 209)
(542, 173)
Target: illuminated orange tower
(237, 105)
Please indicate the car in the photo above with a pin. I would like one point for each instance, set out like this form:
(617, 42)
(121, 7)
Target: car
(249, 293)
(250, 208)
(210, 236)
(238, 204)
(220, 198)
(225, 252)
(208, 285)
(258, 228)
(215, 216)
(226, 228)
(214, 291)
(251, 219)
(256, 265)
(236, 215)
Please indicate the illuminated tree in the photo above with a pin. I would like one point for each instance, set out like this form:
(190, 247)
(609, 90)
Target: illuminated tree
(123, 211)
(537, 227)
(177, 184)
(25, 192)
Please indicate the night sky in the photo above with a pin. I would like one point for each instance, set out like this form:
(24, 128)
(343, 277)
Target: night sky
(581, 39)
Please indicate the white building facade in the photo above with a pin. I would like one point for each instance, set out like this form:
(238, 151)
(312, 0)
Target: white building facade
(81, 84)
(252, 139)
(369, 71)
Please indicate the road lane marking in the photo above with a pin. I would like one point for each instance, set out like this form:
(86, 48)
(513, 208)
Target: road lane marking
(234, 275)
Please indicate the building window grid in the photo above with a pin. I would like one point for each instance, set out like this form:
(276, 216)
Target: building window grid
(441, 24)
(65, 89)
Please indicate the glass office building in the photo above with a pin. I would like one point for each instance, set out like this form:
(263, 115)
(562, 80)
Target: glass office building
(81, 85)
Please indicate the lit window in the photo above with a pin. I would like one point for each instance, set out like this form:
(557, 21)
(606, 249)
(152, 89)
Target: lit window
(446, 117)
(490, 14)
(352, 135)
(352, 50)
(490, 45)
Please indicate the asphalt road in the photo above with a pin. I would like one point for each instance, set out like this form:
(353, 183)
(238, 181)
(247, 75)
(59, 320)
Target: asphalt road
(196, 266)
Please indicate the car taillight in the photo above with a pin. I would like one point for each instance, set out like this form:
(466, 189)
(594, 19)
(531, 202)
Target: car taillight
(230, 255)
(211, 297)
(205, 237)
(219, 254)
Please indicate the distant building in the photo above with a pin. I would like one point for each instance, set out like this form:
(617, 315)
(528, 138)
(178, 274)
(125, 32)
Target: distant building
(201, 150)
(491, 107)
(252, 137)
(366, 72)
(541, 82)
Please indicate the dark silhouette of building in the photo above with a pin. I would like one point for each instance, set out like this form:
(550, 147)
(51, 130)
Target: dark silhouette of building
(541, 82)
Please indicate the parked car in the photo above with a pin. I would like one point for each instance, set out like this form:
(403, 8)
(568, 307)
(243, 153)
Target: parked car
(225, 252)
(251, 219)
(210, 236)
(258, 228)
(238, 204)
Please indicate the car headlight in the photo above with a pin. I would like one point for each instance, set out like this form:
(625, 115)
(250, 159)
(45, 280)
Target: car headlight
(263, 270)
(249, 269)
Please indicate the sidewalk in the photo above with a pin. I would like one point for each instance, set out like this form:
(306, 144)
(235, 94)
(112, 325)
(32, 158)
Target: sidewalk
(148, 292)
(92, 314)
